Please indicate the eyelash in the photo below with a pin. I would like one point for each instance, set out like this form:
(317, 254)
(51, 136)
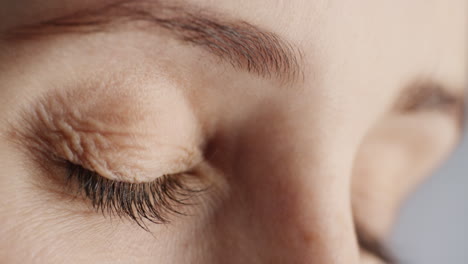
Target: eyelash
(153, 201)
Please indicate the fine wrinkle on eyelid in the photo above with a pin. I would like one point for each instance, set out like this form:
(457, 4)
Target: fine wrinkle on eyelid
(115, 156)
(115, 152)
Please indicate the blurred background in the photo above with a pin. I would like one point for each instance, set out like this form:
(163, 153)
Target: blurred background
(433, 226)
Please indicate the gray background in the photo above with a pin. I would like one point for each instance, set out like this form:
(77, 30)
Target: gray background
(433, 227)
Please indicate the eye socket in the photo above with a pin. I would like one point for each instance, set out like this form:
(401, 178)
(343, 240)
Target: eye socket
(154, 201)
(76, 137)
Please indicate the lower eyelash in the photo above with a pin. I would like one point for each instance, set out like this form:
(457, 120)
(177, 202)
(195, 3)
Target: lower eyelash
(154, 201)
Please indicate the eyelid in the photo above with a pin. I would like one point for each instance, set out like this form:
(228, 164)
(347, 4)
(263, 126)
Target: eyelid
(127, 133)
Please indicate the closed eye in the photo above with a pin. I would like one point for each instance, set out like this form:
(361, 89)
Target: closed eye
(154, 201)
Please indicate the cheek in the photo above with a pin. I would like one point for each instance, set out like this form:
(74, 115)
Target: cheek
(40, 226)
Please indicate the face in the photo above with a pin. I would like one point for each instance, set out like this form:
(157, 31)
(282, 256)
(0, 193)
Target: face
(224, 131)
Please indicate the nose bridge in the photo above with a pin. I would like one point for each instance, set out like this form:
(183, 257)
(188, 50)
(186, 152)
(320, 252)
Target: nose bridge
(294, 194)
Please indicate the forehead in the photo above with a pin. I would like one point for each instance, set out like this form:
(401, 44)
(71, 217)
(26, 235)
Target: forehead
(368, 39)
(360, 42)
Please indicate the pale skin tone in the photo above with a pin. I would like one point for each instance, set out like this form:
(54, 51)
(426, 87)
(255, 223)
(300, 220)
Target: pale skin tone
(295, 157)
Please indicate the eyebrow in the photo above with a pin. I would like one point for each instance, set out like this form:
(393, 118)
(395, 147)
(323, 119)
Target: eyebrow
(243, 45)
(427, 94)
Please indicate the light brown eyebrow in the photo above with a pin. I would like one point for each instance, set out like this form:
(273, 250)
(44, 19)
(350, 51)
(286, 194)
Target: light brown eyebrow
(426, 94)
(243, 45)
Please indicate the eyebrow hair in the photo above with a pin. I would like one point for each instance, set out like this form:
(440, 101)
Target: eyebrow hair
(244, 46)
(426, 94)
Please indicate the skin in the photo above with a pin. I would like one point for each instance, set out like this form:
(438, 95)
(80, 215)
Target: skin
(292, 165)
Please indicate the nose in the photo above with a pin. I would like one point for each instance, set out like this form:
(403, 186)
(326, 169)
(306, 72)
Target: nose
(288, 199)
